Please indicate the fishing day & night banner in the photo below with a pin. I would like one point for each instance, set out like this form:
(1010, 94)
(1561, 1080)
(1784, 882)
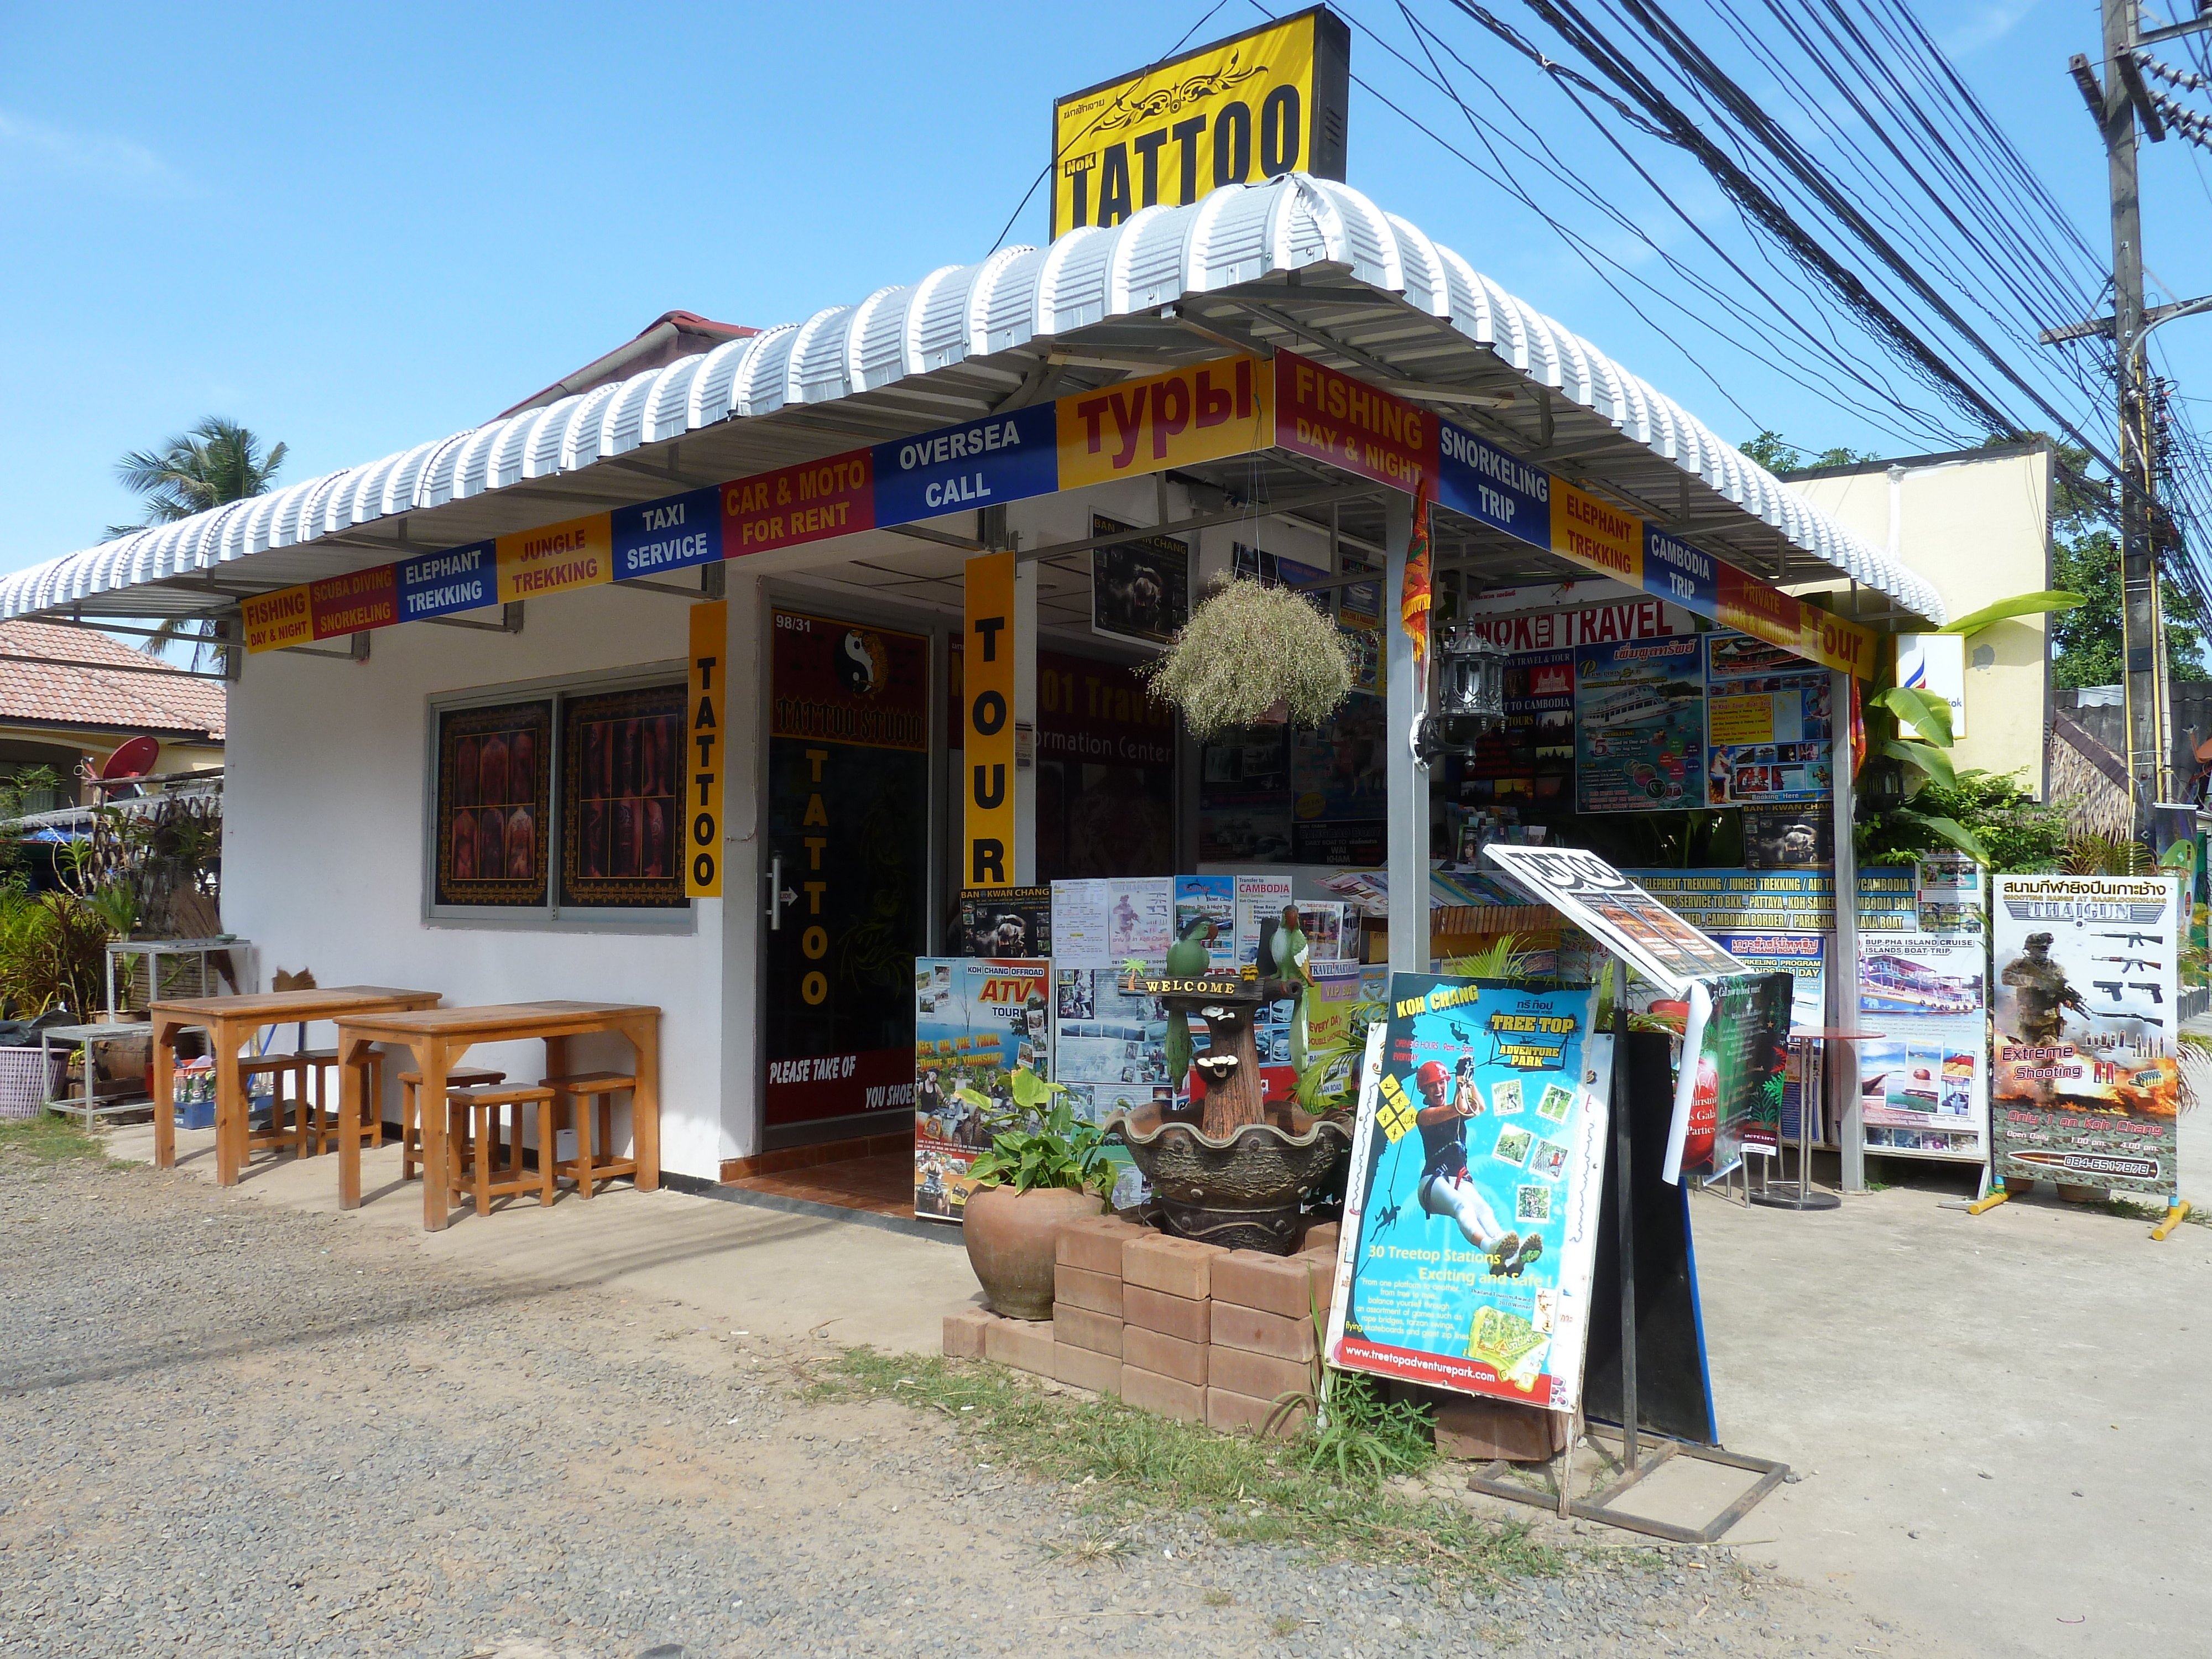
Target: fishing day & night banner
(1470, 1217)
(1202, 412)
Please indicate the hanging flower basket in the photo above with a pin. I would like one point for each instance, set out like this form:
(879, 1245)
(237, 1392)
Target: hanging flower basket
(1249, 655)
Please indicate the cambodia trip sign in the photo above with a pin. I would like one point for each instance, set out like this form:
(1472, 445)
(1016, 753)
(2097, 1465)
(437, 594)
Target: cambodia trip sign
(1470, 1217)
(2086, 1087)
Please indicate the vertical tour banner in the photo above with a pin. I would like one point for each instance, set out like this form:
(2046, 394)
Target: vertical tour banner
(975, 1022)
(700, 765)
(1924, 1087)
(1471, 1215)
(986, 720)
(1640, 725)
(2087, 1086)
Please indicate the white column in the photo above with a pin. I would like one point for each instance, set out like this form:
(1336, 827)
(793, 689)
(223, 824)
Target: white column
(1843, 972)
(1408, 844)
(744, 888)
(1025, 715)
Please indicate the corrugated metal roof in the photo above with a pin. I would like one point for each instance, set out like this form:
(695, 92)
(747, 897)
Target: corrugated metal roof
(897, 339)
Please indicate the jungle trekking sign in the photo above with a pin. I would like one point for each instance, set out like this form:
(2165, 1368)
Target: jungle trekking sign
(1269, 101)
(1200, 412)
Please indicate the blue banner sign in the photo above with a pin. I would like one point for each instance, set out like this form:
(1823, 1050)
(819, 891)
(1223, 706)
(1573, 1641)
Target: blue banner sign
(668, 534)
(1002, 458)
(1486, 483)
(1678, 572)
(459, 579)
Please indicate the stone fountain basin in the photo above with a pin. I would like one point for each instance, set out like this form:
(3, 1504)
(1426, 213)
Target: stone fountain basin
(1246, 1192)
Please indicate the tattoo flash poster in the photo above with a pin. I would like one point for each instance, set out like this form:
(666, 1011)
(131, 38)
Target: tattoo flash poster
(1471, 1213)
(2086, 1088)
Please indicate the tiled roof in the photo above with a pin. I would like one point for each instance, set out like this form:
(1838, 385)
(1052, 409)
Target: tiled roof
(60, 690)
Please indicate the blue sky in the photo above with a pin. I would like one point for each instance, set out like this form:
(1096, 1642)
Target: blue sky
(354, 227)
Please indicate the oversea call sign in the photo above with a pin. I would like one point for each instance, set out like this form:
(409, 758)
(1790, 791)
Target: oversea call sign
(1268, 101)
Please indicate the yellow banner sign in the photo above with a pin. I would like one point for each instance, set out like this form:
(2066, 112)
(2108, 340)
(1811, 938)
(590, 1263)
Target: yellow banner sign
(274, 621)
(1263, 103)
(986, 721)
(1588, 532)
(1206, 412)
(552, 560)
(701, 766)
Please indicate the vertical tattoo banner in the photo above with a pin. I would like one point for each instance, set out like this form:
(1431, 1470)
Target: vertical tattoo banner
(986, 721)
(704, 749)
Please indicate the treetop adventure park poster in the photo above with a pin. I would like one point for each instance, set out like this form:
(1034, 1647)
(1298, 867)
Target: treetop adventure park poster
(1470, 1216)
(974, 1021)
(2087, 1086)
(1640, 725)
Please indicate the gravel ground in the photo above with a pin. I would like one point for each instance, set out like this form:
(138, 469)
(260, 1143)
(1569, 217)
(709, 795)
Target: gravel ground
(230, 1428)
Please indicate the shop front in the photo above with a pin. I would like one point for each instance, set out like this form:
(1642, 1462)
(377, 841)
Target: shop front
(476, 720)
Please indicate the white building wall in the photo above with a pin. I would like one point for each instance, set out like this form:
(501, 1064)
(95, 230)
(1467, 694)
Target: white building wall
(324, 848)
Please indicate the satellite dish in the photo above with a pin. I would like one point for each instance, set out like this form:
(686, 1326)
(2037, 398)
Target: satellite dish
(135, 759)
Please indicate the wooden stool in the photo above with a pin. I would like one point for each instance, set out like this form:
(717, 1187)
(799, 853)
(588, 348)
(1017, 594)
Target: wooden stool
(474, 1149)
(574, 1097)
(410, 1132)
(276, 1068)
(322, 1069)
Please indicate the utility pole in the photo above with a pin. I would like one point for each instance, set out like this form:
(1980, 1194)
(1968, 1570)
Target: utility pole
(2117, 104)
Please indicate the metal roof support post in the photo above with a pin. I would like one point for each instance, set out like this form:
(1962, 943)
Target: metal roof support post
(1843, 1058)
(1407, 845)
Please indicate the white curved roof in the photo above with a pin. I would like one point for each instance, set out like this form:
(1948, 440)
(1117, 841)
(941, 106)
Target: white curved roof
(1237, 234)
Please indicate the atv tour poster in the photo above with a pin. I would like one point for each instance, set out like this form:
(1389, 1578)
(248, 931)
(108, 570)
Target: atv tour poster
(1471, 1211)
(975, 1020)
(2087, 1086)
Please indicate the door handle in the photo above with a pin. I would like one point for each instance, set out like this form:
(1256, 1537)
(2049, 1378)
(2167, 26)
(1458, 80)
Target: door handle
(778, 894)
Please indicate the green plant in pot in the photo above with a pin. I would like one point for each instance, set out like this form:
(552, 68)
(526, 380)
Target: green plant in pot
(1042, 1169)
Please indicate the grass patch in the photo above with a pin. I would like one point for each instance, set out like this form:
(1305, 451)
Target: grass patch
(2134, 1210)
(1324, 1491)
(47, 1139)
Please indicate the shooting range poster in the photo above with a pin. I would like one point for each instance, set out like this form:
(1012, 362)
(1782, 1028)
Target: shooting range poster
(1006, 921)
(1605, 904)
(1768, 736)
(1103, 922)
(1742, 1064)
(1140, 588)
(1471, 1211)
(1640, 725)
(2086, 1088)
(1110, 1048)
(974, 1021)
(1923, 1090)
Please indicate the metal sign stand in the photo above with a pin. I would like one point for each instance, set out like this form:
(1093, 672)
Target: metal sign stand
(1494, 1480)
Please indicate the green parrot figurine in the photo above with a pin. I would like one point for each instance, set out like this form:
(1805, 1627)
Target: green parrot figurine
(1292, 951)
(1187, 958)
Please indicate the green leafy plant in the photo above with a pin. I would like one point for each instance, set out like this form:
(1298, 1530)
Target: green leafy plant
(2017, 833)
(118, 906)
(1038, 1142)
(53, 954)
(1246, 648)
(2088, 854)
(1357, 1436)
(2055, 601)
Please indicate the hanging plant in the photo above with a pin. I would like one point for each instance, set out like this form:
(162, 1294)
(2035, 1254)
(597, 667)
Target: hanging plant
(1246, 649)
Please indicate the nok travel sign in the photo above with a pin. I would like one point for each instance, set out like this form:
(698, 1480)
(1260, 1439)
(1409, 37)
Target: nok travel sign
(1200, 412)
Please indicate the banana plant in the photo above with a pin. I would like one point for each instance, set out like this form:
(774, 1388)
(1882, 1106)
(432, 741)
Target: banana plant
(1926, 752)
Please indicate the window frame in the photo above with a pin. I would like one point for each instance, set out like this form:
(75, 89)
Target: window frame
(551, 916)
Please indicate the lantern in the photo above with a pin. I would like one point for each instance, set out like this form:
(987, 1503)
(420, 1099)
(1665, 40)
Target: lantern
(1470, 692)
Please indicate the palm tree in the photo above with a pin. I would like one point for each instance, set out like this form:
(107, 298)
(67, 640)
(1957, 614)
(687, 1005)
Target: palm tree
(218, 461)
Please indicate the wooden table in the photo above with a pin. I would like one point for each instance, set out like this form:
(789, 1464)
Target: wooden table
(230, 1023)
(438, 1037)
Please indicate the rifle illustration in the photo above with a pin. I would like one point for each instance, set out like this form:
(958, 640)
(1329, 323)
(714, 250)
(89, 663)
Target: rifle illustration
(2128, 1013)
(2127, 963)
(2157, 995)
(2132, 939)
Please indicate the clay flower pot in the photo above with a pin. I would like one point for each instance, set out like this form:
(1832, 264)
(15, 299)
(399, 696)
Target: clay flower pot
(1243, 1192)
(1012, 1238)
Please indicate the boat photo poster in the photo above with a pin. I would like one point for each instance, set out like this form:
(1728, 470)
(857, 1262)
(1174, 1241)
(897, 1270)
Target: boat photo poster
(1471, 1211)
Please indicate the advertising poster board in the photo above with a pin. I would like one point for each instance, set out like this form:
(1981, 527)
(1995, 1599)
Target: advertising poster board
(1768, 735)
(1006, 921)
(1212, 899)
(1110, 1046)
(2086, 1087)
(1743, 1060)
(1947, 892)
(1640, 725)
(1103, 922)
(974, 1021)
(1606, 905)
(1471, 1211)
(1140, 588)
(1924, 1086)
(1244, 798)
(1804, 958)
